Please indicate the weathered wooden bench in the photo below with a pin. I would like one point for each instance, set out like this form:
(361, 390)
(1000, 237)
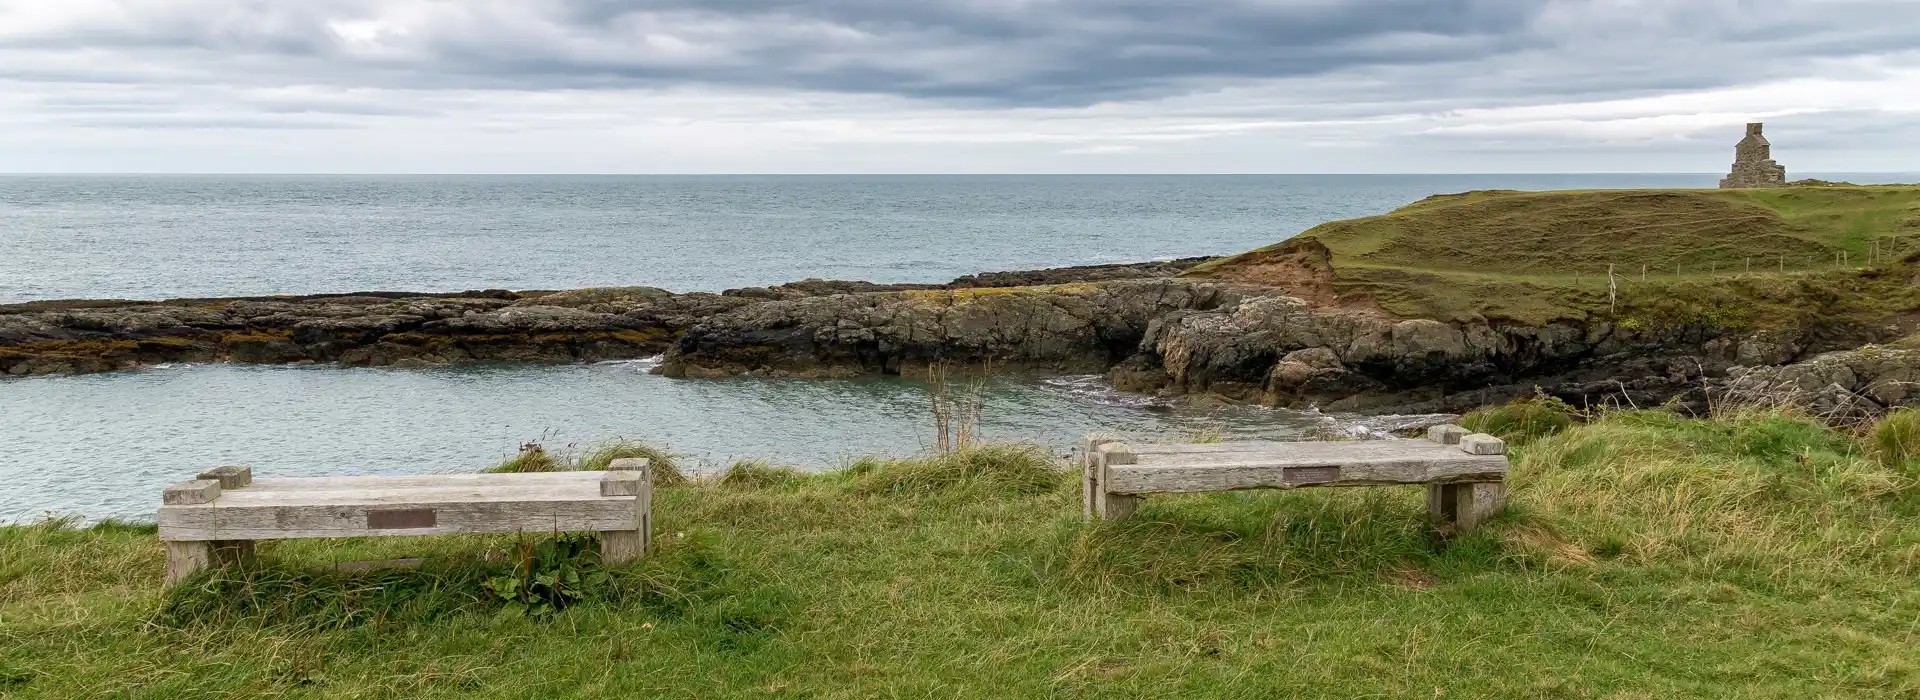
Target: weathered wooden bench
(1465, 473)
(215, 518)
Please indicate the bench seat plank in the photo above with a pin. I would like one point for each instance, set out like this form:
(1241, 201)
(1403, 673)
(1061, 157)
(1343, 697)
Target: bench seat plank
(1283, 465)
(1208, 447)
(1274, 474)
(296, 522)
(248, 498)
(327, 483)
(1321, 453)
(391, 506)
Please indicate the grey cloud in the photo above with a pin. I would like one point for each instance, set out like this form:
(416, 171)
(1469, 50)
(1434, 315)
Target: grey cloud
(1002, 52)
(205, 123)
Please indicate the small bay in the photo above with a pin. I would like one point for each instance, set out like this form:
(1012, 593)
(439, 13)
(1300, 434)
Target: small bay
(104, 445)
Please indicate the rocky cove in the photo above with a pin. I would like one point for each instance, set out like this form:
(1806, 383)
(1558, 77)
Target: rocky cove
(1145, 326)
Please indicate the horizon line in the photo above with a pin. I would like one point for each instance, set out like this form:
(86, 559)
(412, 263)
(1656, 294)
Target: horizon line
(906, 174)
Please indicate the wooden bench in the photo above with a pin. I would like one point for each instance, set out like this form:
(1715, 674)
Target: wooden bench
(1465, 473)
(215, 518)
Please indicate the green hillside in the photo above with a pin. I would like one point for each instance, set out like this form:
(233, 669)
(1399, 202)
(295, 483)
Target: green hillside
(1535, 256)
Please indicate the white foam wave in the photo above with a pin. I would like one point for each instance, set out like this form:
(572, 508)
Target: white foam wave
(643, 364)
(1094, 387)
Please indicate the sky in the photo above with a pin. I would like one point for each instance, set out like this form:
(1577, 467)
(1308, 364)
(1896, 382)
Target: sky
(954, 86)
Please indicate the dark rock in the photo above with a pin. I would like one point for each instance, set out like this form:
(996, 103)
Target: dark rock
(1150, 332)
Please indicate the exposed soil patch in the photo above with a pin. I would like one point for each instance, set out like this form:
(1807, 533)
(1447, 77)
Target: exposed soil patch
(1304, 268)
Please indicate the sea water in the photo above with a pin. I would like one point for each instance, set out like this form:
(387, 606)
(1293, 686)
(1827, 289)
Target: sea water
(104, 445)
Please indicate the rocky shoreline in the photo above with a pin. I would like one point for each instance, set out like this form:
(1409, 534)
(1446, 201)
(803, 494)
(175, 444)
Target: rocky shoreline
(423, 329)
(1147, 328)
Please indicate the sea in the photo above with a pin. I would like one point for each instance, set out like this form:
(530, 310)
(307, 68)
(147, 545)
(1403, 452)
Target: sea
(102, 446)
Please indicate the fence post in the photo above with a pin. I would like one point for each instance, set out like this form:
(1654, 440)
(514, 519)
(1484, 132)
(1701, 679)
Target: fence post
(1613, 291)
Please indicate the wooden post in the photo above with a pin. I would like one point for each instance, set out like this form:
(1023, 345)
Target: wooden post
(184, 559)
(231, 552)
(1090, 481)
(1643, 273)
(1107, 505)
(1613, 290)
(1459, 508)
(629, 477)
(229, 477)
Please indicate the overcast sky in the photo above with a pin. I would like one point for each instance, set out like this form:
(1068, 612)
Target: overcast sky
(698, 86)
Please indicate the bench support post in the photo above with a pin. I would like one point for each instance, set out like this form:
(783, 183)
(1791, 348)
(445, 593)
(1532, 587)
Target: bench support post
(1459, 508)
(1102, 504)
(186, 558)
(622, 546)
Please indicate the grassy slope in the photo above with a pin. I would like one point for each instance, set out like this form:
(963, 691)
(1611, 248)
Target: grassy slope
(1646, 556)
(1536, 256)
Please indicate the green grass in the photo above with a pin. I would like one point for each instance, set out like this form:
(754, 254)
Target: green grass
(1539, 256)
(1521, 420)
(1645, 556)
(1897, 436)
(665, 463)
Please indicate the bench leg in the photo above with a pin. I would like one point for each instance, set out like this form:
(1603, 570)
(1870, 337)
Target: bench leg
(184, 559)
(622, 546)
(232, 552)
(1459, 508)
(1118, 507)
(1101, 505)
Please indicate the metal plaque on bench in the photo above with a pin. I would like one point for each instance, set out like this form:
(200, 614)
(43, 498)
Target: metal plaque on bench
(400, 519)
(1311, 475)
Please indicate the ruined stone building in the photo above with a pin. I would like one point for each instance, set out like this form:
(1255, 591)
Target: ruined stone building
(1753, 164)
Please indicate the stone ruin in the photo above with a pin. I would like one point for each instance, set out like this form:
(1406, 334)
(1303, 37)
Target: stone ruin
(1753, 164)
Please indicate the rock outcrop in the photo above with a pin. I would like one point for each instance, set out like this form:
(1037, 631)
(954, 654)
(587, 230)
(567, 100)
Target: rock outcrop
(1244, 342)
(354, 329)
(1841, 386)
(1084, 327)
(401, 328)
(1172, 336)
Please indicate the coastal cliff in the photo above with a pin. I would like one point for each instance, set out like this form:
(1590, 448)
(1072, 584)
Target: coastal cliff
(1450, 303)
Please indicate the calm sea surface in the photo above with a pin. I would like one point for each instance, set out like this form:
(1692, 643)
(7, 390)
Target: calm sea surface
(104, 445)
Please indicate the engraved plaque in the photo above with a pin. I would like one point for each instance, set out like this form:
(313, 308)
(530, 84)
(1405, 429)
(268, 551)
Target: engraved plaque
(1312, 475)
(400, 519)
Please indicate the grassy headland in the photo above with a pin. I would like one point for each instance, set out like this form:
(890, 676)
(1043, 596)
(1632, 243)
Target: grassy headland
(1646, 555)
(1540, 256)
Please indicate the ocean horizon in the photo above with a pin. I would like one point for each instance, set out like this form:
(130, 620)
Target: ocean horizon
(152, 236)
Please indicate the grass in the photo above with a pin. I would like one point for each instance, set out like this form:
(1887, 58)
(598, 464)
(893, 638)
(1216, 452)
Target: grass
(1523, 420)
(665, 463)
(1541, 256)
(1897, 436)
(1646, 555)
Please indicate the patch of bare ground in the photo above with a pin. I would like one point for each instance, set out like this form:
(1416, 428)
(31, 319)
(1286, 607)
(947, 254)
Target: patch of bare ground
(1303, 267)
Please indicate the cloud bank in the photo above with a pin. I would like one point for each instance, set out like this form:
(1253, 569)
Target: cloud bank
(953, 85)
